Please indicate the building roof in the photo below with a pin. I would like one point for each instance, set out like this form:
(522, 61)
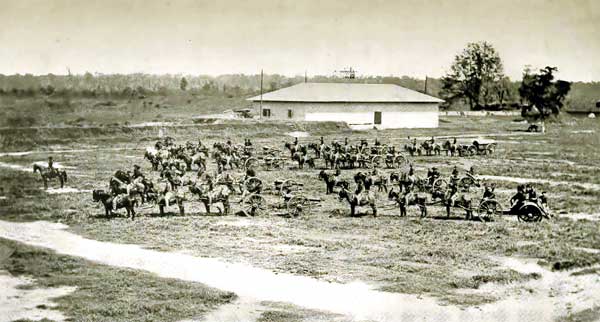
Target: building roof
(346, 92)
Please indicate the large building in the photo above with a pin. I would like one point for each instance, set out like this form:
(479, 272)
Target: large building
(359, 105)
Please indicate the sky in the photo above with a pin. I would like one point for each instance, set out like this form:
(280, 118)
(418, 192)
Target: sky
(291, 37)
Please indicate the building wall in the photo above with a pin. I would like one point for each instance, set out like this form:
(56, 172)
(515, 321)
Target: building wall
(393, 115)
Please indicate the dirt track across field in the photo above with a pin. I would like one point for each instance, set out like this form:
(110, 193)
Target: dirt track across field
(355, 300)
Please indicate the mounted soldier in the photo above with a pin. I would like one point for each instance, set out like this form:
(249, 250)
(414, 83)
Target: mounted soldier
(518, 199)
(137, 173)
(432, 175)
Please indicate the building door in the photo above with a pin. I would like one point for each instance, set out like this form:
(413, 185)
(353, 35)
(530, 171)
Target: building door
(377, 118)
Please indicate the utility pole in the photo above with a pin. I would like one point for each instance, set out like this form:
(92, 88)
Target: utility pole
(261, 92)
(305, 77)
(425, 84)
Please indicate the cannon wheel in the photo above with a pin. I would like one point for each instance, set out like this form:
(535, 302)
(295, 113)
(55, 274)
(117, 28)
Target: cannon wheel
(376, 162)
(251, 162)
(252, 183)
(298, 205)
(256, 201)
(466, 183)
(401, 161)
(440, 184)
(488, 210)
(530, 213)
(472, 150)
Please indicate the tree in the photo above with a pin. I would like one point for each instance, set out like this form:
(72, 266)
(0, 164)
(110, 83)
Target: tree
(477, 68)
(543, 96)
(183, 84)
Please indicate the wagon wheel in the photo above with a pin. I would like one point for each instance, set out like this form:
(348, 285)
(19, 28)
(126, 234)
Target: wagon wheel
(466, 183)
(277, 163)
(530, 213)
(252, 184)
(298, 205)
(472, 150)
(440, 184)
(401, 161)
(488, 210)
(376, 162)
(288, 183)
(254, 204)
(251, 162)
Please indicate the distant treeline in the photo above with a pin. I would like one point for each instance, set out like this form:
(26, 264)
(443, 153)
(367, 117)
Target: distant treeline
(582, 95)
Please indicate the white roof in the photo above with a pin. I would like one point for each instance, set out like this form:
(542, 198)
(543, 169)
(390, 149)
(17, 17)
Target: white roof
(347, 92)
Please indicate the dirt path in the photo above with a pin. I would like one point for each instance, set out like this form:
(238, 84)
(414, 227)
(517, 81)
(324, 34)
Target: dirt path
(355, 300)
(17, 302)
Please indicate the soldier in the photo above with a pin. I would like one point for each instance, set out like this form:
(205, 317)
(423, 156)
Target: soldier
(531, 193)
(453, 186)
(543, 200)
(337, 177)
(488, 193)
(51, 165)
(137, 173)
(454, 179)
(518, 199)
(432, 175)
(321, 141)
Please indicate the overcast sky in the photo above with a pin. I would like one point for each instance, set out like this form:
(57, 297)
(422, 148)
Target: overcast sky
(394, 37)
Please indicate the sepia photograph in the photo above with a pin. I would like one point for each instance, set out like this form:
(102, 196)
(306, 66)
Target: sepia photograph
(299, 160)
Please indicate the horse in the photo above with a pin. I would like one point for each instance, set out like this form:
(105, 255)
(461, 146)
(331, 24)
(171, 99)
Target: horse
(358, 200)
(303, 159)
(330, 183)
(151, 155)
(315, 147)
(431, 148)
(165, 196)
(458, 200)
(120, 201)
(412, 150)
(293, 148)
(48, 174)
(451, 148)
(409, 199)
(209, 195)
(138, 187)
(368, 181)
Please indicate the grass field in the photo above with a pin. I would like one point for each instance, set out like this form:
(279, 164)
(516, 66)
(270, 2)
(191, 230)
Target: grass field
(435, 256)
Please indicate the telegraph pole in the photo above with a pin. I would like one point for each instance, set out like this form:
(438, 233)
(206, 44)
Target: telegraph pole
(261, 92)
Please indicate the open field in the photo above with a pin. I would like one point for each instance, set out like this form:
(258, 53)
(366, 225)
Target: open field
(454, 262)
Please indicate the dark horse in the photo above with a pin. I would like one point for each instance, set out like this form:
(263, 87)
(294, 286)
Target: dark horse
(120, 201)
(371, 180)
(451, 148)
(358, 200)
(410, 199)
(49, 174)
(331, 183)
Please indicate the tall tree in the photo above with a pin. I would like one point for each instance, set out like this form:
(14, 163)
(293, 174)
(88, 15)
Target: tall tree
(477, 68)
(543, 96)
(183, 84)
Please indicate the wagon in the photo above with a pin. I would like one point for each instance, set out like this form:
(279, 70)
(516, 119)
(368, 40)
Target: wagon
(529, 212)
(477, 147)
(397, 161)
(482, 147)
